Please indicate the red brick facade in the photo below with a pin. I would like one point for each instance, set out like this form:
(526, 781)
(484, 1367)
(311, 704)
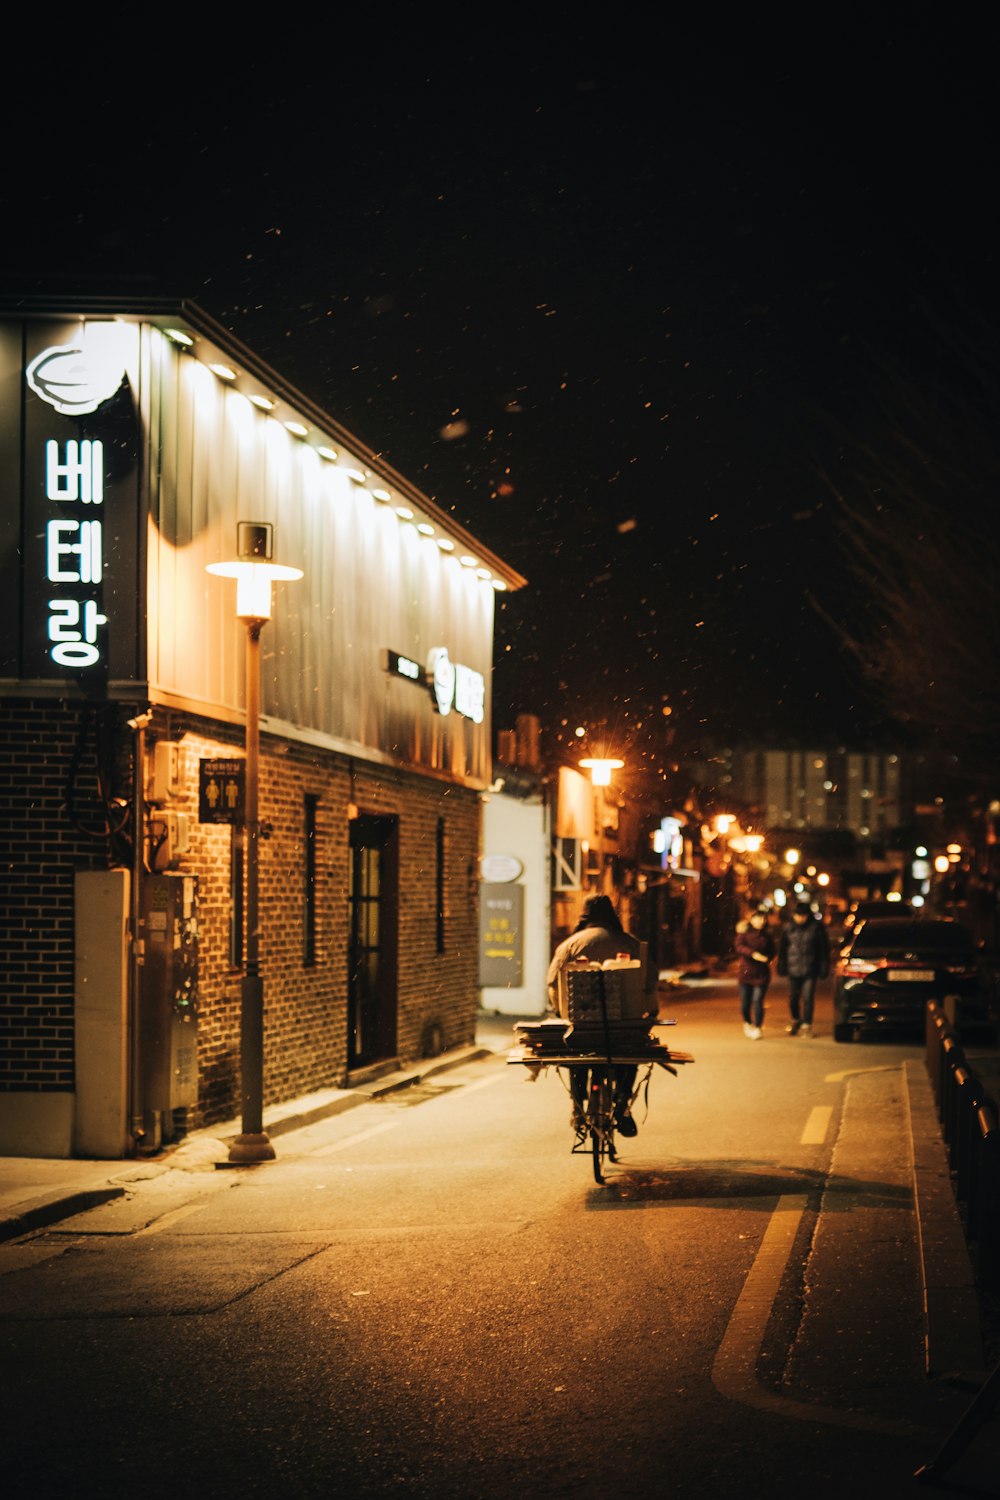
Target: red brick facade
(60, 762)
(52, 822)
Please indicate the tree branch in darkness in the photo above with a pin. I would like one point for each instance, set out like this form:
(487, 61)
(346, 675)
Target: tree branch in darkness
(918, 522)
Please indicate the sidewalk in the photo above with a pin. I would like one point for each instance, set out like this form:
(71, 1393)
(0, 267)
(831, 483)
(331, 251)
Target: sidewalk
(38, 1191)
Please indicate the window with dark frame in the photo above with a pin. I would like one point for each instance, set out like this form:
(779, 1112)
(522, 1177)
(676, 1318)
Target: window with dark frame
(440, 886)
(310, 893)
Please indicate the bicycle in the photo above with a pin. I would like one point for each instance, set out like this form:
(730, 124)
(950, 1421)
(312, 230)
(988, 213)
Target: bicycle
(598, 1101)
(598, 1118)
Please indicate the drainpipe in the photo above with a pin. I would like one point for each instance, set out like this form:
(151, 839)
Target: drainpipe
(137, 945)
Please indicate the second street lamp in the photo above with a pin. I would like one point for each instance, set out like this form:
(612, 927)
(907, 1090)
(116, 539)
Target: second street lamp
(600, 769)
(254, 572)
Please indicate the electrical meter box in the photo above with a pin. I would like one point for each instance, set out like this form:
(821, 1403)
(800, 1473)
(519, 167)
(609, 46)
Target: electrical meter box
(168, 1021)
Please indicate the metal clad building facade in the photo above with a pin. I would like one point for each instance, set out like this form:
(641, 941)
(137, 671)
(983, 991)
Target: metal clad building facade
(133, 440)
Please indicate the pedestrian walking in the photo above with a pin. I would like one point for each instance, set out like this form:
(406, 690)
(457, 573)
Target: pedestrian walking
(803, 957)
(755, 950)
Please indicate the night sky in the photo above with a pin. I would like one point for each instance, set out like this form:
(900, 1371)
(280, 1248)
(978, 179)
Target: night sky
(623, 306)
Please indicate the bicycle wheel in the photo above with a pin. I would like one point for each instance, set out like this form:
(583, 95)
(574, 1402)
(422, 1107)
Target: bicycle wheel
(600, 1121)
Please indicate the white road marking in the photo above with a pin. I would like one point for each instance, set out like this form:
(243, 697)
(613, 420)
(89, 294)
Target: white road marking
(817, 1125)
(484, 1083)
(169, 1220)
(364, 1135)
(852, 1072)
(353, 1140)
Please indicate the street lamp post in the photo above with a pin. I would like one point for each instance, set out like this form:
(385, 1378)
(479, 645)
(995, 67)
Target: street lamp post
(600, 769)
(254, 572)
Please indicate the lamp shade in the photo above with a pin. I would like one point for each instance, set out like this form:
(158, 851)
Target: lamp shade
(253, 584)
(600, 769)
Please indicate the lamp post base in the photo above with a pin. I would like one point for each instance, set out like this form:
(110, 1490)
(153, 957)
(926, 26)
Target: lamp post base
(247, 1149)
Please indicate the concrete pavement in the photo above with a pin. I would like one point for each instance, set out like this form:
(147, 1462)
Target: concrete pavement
(35, 1193)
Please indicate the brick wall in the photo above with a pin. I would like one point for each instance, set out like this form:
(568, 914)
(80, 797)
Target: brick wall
(44, 837)
(56, 764)
(306, 1005)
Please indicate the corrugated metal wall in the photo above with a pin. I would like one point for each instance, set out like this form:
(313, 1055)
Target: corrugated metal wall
(371, 582)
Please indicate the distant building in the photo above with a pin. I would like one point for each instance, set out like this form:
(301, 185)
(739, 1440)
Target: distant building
(854, 791)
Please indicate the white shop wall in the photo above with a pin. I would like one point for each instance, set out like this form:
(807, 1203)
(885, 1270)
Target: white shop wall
(519, 828)
(371, 582)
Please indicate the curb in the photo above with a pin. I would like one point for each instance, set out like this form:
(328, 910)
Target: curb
(45, 1211)
(954, 1342)
(336, 1101)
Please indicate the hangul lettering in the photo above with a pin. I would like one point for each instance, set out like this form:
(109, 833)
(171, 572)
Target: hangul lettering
(470, 693)
(81, 477)
(73, 626)
(87, 547)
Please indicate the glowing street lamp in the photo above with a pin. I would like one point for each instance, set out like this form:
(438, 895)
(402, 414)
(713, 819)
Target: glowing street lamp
(254, 572)
(600, 768)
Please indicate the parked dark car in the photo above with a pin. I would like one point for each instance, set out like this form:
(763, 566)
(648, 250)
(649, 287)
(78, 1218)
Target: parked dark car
(891, 966)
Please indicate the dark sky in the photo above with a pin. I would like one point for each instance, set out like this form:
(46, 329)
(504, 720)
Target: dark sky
(619, 304)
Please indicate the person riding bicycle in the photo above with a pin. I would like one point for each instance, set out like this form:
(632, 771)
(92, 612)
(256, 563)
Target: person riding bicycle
(599, 935)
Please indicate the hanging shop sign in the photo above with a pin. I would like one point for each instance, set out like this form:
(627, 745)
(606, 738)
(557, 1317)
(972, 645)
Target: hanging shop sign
(500, 868)
(452, 685)
(222, 791)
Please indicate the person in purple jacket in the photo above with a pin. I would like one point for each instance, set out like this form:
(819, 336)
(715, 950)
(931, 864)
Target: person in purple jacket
(755, 952)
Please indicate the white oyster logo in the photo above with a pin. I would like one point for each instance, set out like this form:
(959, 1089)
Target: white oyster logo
(76, 379)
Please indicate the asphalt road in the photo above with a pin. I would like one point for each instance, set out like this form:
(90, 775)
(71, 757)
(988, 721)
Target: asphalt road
(429, 1295)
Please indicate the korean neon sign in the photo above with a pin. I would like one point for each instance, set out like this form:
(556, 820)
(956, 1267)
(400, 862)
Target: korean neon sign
(452, 685)
(74, 550)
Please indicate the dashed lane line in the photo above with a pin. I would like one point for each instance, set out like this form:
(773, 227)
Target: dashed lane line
(816, 1126)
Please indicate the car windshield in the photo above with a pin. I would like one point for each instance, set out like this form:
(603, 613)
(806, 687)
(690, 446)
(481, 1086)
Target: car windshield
(893, 935)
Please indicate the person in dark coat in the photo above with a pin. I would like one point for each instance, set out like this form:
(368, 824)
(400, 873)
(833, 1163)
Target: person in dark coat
(803, 957)
(598, 935)
(755, 952)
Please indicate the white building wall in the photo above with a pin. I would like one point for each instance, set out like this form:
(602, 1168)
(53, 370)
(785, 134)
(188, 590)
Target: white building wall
(371, 581)
(514, 826)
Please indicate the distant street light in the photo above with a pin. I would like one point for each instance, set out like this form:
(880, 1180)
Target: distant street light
(600, 769)
(254, 572)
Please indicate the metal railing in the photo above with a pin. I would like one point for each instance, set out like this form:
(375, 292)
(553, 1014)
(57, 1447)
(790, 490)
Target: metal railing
(970, 1125)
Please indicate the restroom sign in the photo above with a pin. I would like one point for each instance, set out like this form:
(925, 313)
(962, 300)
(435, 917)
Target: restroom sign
(222, 791)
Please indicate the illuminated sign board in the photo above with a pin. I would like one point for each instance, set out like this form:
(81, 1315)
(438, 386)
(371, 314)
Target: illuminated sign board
(74, 607)
(222, 791)
(501, 930)
(452, 685)
(670, 844)
(74, 551)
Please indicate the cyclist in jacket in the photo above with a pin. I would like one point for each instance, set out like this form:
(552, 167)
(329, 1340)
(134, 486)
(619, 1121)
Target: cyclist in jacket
(599, 935)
